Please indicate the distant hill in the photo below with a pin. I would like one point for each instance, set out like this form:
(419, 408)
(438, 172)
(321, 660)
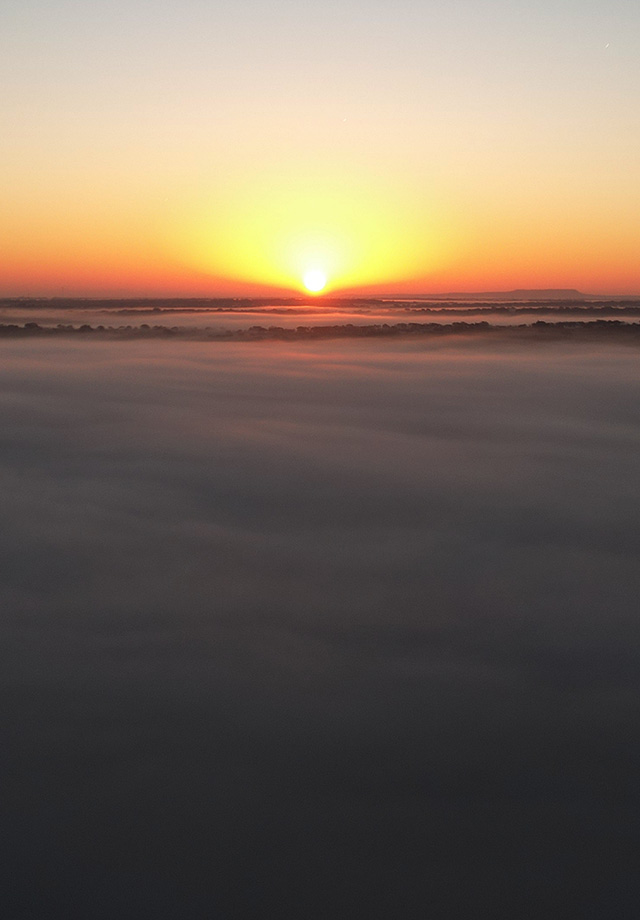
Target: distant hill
(518, 294)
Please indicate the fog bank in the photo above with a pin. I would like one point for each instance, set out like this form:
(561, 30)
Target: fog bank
(320, 628)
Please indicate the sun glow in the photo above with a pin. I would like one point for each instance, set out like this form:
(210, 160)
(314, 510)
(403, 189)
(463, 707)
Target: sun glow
(309, 234)
(315, 281)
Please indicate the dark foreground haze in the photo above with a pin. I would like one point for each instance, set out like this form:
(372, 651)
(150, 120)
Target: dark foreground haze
(320, 629)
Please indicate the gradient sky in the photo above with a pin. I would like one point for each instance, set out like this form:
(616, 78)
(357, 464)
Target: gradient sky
(228, 147)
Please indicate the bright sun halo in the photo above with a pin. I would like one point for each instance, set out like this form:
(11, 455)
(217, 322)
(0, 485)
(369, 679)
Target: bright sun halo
(315, 281)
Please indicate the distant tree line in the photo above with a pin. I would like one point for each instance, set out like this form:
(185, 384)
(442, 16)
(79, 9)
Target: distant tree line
(538, 329)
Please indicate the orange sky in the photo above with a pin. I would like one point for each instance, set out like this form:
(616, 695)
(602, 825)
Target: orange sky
(482, 148)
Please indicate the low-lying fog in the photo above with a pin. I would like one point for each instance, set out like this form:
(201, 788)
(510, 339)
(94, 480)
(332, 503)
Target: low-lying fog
(320, 630)
(242, 315)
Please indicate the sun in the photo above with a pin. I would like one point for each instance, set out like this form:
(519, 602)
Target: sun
(315, 281)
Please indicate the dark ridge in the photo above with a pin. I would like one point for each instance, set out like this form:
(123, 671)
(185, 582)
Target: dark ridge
(614, 329)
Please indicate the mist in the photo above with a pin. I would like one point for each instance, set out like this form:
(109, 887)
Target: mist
(320, 629)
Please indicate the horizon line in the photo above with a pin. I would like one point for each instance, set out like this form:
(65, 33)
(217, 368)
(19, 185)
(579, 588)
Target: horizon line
(513, 293)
